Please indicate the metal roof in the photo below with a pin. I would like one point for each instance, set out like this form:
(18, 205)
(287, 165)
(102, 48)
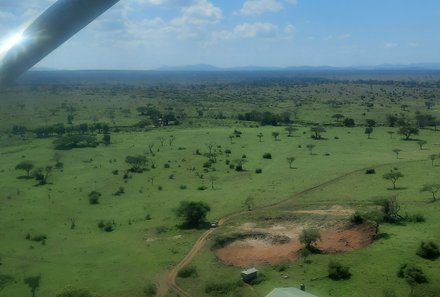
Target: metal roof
(289, 292)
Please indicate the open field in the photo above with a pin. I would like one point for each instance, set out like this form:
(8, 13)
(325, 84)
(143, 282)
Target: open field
(51, 230)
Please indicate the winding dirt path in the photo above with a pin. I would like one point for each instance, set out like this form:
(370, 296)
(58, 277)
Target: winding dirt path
(169, 280)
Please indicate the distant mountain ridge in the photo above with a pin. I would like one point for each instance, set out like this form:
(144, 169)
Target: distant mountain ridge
(208, 67)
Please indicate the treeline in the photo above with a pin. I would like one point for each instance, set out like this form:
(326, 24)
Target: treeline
(157, 118)
(266, 118)
(60, 129)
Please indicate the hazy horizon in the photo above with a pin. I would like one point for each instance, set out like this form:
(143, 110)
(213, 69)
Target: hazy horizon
(149, 34)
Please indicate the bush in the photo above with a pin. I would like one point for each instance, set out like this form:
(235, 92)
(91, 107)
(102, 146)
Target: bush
(183, 187)
(338, 272)
(281, 267)
(415, 218)
(73, 292)
(239, 168)
(39, 238)
(150, 290)
(428, 250)
(267, 156)
(412, 274)
(202, 188)
(357, 218)
(258, 170)
(370, 171)
(222, 289)
(94, 197)
(187, 272)
(107, 226)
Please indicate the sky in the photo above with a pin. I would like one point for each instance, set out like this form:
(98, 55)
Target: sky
(147, 34)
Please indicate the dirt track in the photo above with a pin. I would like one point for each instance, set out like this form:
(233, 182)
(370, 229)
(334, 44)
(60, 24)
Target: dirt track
(169, 281)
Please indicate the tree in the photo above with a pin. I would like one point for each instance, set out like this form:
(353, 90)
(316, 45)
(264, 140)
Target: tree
(42, 174)
(376, 217)
(94, 197)
(390, 209)
(393, 176)
(308, 237)
(428, 250)
(26, 166)
(275, 135)
(391, 134)
(317, 130)
(290, 161)
(429, 104)
(338, 272)
(349, 122)
(249, 202)
(338, 117)
(397, 152)
(33, 283)
(106, 139)
(231, 138)
(137, 162)
(412, 274)
(433, 188)
(421, 143)
(212, 179)
(370, 123)
(310, 147)
(408, 131)
(368, 131)
(260, 135)
(433, 157)
(193, 213)
(290, 129)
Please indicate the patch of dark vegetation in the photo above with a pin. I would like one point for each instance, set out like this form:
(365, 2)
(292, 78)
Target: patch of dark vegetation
(428, 250)
(412, 274)
(338, 272)
(222, 288)
(187, 272)
(5, 280)
(370, 171)
(107, 226)
(267, 156)
(150, 290)
(94, 197)
(74, 292)
(75, 141)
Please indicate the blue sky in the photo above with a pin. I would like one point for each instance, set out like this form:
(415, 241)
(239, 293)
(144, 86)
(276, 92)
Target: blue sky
(146, 34)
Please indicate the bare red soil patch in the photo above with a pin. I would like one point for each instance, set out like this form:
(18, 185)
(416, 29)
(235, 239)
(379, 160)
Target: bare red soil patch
(254, 252)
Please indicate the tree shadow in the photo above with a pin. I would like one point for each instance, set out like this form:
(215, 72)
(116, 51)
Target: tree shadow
(397, 189)
(25, 177)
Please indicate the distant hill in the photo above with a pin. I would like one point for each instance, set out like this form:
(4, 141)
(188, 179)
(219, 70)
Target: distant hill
(207, 67)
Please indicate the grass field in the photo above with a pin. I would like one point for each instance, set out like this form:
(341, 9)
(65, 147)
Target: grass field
(147, 241)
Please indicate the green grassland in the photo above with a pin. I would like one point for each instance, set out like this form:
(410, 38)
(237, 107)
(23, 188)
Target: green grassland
(147, 242)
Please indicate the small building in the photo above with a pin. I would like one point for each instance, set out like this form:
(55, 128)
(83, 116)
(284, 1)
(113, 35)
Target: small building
(249, 275)
(289, 292)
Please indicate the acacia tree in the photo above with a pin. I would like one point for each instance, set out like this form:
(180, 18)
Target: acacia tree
(260, 135)
(308, 237)
(290, 129)
(317, 130)
(26, 166)
(310, 147)
(433, 157)
(42, 174)
(212, 179)
(391, 134)
(290, 161)
(421, 143)
(275, 135)
(368, 131)
(393, 176)
(397, 152)
(433, 188)
(137, 162)
(193, 213)
(408, 131)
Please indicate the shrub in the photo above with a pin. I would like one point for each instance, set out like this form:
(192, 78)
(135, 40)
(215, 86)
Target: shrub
(187, 272)
(183, 187)
(338, 272)
(258, 170)
(370, 171)
(357, 218)
(267, 156)
(39, 238)
(228, 151)
(222, 289)
(166, 165)
(239, 168)
(202, 188)
(94, 197)
(428, 250)
(281, 267)
(415, 218)
(412, 274)
(150, 290)
(74, 292)
(107, 226)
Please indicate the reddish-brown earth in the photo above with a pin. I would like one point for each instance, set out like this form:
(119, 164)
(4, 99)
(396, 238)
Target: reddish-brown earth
(254, 252)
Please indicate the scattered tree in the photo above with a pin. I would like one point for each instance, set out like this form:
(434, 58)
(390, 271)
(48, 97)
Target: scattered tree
(397, 152)
(428, 250)
(310, 147)
(408, 131)
(338, 272)
(290, 160)
(106, 138)
(421, 143)
(290, 129)
(393, 176)
(412, 274)
(308, 237)
(368, 131)
(275, 135)
(433, 157)
(433, 188)
(33, 283)
(94, 197)
(249, 202)
(26, 166)
(212, 179)
(193, 213)
(260, 135)
(137, 162)
(391, 134)
(42, 174)
(317, 130)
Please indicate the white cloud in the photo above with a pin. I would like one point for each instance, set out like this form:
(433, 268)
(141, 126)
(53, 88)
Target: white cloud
(293, 2)
(413, 44)
(391, 45)
(290, 29)
(256, 30)
(343, 36)
(257, 7)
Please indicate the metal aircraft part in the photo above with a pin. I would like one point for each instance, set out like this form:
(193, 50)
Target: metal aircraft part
(51, 29)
